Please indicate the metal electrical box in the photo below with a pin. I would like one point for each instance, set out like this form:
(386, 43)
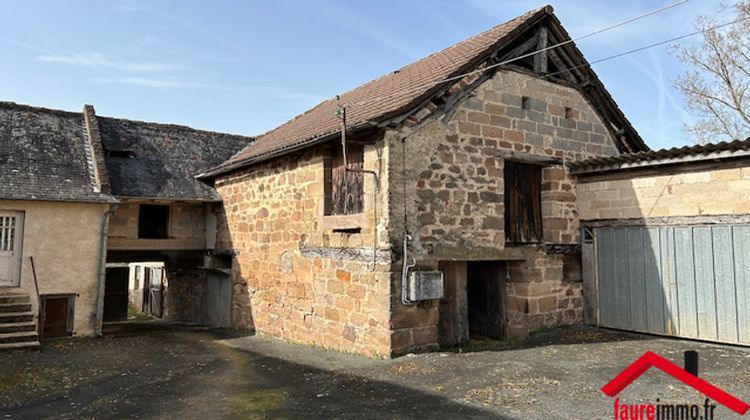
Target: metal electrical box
(425, 285)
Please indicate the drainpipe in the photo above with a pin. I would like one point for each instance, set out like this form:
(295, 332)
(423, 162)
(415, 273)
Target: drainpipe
(102, 270)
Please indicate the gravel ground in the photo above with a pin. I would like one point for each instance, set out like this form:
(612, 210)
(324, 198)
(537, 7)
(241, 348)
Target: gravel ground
(162, 371)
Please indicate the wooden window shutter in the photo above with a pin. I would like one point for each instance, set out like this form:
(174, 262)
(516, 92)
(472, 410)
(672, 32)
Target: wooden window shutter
(346, 188)
(523, 203)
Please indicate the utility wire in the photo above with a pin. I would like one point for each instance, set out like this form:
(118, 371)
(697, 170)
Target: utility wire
(646, 47)
(521, 57)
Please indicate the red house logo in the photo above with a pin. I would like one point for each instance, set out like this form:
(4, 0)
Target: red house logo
(640, 366)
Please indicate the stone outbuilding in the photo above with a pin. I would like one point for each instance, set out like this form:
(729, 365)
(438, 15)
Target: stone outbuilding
(54, 203)
(446, 211)
(82, 197)
(666, 246)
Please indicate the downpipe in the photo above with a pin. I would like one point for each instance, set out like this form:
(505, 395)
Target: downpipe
(405, 272)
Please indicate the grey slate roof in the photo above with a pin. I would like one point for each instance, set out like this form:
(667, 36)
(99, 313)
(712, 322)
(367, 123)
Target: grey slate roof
(676, 155)
(43, 156)
(163, 159)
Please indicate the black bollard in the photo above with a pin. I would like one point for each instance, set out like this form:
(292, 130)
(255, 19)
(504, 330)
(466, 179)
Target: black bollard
(691, 362)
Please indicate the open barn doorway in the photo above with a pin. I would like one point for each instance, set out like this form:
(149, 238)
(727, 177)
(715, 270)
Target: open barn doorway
(473, 305)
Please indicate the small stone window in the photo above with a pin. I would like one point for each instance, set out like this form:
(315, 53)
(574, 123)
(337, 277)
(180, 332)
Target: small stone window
(153, 221)
(344, 190)
(524, 102)
(570, 113)
(523, 203)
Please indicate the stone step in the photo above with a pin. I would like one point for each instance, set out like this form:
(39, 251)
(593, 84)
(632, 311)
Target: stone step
(15, 298)
(23, 345)
(13, 317)
(19, 337)
(11, 327)
(15, 307)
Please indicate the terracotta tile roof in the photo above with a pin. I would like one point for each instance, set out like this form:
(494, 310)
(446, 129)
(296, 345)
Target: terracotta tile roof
(674, 155)
(381, 98)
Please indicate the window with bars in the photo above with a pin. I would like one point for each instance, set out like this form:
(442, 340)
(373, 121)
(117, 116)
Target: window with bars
(7, 233)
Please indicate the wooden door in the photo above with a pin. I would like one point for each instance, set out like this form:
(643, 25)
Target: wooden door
(486, 297)
(11, 232)
(58, 315)
(454, 316)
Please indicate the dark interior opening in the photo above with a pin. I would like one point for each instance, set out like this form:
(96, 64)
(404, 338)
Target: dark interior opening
(153, 221)
(485, 289)
(116, 294)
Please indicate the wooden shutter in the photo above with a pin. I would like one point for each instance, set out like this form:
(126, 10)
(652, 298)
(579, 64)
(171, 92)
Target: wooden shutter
(346, 188)
(523, 203)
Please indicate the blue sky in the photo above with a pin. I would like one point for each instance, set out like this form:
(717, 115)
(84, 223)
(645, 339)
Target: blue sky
(246, 66)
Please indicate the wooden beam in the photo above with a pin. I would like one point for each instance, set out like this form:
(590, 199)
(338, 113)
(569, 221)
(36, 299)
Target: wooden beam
(521, 49)
(670, 221)
(540, 59)
(557, 61)
(528, 158)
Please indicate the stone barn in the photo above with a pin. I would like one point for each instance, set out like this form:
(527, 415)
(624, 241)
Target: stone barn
(428, 206)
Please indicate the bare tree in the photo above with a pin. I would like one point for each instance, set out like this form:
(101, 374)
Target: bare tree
(717, 84)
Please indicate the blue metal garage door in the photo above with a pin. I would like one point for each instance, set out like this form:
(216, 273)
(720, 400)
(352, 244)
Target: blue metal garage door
(691, 281)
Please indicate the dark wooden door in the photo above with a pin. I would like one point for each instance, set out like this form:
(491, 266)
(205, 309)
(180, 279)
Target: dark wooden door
(116, 294)
(486, 297)
(454, 318)
(57, 316)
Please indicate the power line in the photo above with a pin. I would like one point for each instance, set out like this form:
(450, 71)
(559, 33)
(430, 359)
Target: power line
(648, 46)
(416, 88)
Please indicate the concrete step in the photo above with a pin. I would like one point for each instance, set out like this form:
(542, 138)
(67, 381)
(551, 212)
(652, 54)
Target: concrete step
(15, 307)
(19, 337)
(23, 345)
(12, 327)
(15, 298)
(13, 317)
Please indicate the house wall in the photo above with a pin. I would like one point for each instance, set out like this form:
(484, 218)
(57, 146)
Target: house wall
(454, 198)
(64, 239)
(293, 276)
(187, 227)
(718, 191)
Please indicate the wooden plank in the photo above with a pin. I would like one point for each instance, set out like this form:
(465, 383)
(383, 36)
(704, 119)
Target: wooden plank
(605, 278)
(621, 278)
(705, 298)
(685, 279)
(656, 294)
(669, 280)
(528, 158)
(636, 270)
(453, 326)
(741, 245)
(670, 221)
(725, 291)
(540, 58)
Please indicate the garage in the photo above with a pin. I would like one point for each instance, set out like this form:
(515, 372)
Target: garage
(686, 281)
(666, 241)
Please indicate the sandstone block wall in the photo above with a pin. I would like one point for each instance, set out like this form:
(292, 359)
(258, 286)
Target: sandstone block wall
(455, 199)
(694, 193)
(295, 276)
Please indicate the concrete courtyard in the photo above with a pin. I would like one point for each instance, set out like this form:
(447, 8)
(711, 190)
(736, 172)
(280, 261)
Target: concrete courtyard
(166, 371)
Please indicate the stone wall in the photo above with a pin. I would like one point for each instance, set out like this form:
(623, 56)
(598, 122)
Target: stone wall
(455, 199)
(638, 196)
(294, 276)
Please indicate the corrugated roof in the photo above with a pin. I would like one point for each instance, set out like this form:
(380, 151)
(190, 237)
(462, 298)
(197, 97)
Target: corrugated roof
(674, 155)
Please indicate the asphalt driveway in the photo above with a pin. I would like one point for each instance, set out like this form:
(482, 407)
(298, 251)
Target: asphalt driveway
(160, 371)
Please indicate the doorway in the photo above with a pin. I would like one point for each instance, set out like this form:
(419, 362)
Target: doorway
(485, 290)
(116, 294)
(57, 315)
(473, 305)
